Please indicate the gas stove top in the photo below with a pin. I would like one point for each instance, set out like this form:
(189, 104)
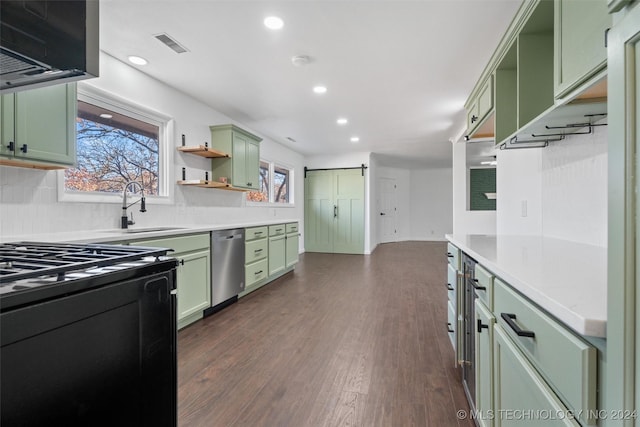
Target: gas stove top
(53, 269)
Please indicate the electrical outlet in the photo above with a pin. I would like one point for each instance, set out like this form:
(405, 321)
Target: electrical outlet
(523, 209)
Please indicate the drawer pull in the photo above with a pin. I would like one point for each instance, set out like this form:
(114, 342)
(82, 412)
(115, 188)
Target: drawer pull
(257, 232)
(449, 328)
(258, 272)
(449, 255)
(480, 326)
(509, 318)
(258, 250)
(478, 287)
(449, 287)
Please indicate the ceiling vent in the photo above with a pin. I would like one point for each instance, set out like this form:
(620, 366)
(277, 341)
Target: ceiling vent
(171, 43)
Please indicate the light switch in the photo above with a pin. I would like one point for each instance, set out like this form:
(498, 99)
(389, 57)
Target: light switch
(523, 209)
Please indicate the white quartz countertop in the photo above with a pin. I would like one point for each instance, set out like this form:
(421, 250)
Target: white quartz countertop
(566, 279)
(115, 234)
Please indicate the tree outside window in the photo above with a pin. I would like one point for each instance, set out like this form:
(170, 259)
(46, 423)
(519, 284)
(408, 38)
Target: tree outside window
(113, 148)
(281, 185)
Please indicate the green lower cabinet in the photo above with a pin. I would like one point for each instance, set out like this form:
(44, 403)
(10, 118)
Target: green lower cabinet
(277, 254)
(193, 275)
(291, 250)
(484, 323)
(193, 297)
(521, 396)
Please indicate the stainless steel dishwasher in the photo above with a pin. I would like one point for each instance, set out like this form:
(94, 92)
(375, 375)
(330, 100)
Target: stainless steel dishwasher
(227, 268)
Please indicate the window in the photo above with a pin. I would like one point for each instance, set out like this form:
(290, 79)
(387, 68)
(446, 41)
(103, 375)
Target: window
(116, 143)
(274, 190)
(280, 185)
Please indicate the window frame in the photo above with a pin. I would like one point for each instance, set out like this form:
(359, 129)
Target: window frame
(93, 95)
(271, 202)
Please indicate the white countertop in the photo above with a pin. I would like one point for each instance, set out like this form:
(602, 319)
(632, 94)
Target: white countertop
(115, 235)
(567, 279)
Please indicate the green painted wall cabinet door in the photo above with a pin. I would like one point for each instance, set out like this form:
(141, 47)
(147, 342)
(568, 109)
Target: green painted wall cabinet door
(243, 167)
(39, 124)
(580, 50)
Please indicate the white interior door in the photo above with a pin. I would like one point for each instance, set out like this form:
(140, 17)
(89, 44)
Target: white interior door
(388, 210)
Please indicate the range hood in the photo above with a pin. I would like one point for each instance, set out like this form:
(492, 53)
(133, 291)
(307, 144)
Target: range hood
(45, 42)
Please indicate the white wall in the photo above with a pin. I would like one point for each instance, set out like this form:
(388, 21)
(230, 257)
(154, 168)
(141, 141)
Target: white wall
(28, 198)
(466, 221)
(424, 202)
(564, 184)
(431, 203)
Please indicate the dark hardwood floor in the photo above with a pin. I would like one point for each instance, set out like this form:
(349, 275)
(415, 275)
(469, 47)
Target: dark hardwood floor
(344, 340)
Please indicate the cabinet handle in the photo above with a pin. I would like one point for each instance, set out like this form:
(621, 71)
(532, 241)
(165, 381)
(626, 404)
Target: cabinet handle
(24, 148)
(449, 287)
(480, 326)
(258, 250)
(509, 318)
(258, 272)
(181, 262)
(449, 328)
(11, 146)
(257, 232)
(449, 255)
(474, 118)
(335, 211)
(476, 286)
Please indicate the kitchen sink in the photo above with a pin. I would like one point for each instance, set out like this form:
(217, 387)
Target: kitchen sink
(141, 230)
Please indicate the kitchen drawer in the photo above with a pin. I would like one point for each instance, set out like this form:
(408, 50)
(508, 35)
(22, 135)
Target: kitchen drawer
(451, 323)
(567, 362)
(484, 285)
(276, 230)
(292, 227)
(256, 271)
(255, 233)
(179, 244)
(255, 250)
(452, 283)
(453, 255)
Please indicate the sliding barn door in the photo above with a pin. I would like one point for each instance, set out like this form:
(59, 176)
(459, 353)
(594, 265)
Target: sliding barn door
(318, 211)
(334, 211)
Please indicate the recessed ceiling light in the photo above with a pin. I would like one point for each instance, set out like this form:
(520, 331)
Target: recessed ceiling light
(342, 121)
(355, 139)
(138, 60)
(320, 89)
(273, 22)
(106, 116)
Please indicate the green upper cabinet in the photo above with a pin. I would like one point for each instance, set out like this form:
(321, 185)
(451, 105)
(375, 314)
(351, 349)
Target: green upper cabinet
(479, 119)
(580, 50)
(243, 168)
(38, 127)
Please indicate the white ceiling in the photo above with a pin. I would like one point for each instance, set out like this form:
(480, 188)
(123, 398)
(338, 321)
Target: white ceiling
(400, 71)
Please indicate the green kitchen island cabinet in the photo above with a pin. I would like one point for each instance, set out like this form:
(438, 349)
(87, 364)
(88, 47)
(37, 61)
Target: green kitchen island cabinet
(522, 397)
(193, 274)
(580, 42)
(242, 169)
(39, 127)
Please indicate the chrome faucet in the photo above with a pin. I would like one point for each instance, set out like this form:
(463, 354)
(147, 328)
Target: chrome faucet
(125, 222)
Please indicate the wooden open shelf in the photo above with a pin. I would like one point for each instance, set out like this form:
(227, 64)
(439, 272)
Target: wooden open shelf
(202, 151)
(210, 184)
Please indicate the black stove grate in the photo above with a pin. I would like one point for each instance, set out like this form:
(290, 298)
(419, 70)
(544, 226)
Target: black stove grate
(27, 260)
